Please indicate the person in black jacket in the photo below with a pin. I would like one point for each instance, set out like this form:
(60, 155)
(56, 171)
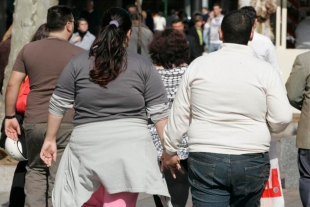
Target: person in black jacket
(92, 16)
(197, 32)
(195, 48)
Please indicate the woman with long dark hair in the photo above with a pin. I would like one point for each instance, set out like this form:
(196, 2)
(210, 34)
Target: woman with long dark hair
(110, 150)
(169, 52)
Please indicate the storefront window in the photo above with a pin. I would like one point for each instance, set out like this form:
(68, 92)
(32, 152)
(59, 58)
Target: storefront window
(298, 24)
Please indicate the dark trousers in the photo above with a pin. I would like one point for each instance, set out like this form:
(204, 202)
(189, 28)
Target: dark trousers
(304, 180)
(178, 188)
(40, 179)
(221, 180)
(17, 194)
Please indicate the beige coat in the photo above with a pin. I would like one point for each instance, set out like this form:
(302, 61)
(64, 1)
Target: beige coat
(298, 91)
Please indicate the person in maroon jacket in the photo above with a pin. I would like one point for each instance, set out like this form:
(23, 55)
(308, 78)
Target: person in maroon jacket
(4, 57)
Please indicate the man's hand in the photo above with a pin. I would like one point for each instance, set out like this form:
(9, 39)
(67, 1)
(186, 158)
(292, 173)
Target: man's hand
(172, 162)
(49, 152)
(12, 128)
(77, 39)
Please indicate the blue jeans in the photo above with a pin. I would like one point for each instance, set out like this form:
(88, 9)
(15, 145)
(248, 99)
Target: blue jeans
(221, 180)
(213, 47)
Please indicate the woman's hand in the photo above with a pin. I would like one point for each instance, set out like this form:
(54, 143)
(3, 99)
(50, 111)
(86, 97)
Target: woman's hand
(172, 162)
(49, 148)
(49, 152)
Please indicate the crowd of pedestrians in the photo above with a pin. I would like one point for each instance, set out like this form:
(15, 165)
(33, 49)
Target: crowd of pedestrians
(122, 107)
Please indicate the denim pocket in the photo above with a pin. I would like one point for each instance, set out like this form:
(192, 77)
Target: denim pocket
(256, 177)
(201, 174)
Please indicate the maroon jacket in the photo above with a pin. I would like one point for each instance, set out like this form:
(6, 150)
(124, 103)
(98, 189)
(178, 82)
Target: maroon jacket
(5, 48)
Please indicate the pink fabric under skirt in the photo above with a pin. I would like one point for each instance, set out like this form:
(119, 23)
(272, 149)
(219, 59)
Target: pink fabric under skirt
(117, 154)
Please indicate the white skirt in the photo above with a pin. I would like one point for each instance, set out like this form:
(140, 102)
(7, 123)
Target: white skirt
(118, 154)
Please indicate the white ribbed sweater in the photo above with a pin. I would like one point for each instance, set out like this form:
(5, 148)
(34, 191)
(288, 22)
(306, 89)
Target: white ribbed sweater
(228, 102)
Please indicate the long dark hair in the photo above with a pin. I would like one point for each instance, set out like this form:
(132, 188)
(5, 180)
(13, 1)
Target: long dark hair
(41, 33)
(109, 49)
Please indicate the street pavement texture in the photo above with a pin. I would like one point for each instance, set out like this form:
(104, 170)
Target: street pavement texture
(291, 197)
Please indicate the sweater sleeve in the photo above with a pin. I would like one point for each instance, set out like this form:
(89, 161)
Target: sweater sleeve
(65, 87)
(158, 112)
(296, 83)
(279, 111)
(63, 96)
(154, 92)
(59, 106)
(179, 118)
(272, 57)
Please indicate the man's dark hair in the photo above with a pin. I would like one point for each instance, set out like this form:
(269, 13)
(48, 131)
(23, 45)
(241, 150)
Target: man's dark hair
(198, 17)
(250, 11)
(236, 27)
(131, 5)
(134, 16)
(217, 4)
(176, 20)
(82, 20)
(57, 18)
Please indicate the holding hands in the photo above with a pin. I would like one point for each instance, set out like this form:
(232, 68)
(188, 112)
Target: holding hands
(171, 162)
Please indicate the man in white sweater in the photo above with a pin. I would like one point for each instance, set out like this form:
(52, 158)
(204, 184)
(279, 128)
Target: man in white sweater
(228, 102)
(212, 27)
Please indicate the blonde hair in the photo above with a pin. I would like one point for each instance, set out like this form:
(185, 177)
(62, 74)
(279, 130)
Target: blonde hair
(8, 34)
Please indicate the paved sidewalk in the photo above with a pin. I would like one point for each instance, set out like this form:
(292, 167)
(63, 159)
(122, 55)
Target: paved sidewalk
(145, 200)
(291, 197)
